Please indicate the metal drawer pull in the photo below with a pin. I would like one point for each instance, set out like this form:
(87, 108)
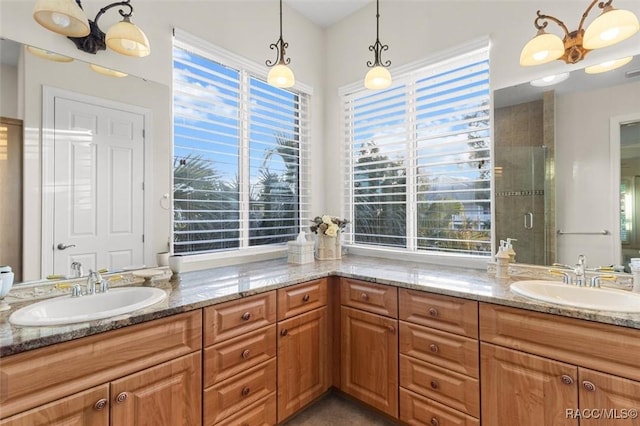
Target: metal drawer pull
(566, 379)
(284, 332)
(434, 421)
(246, 354)
(100, 404)
(246, 391)
(305, 298)
(434, 348)
(433, 312)
(364, 296)
(246, 316)
(122, 397)
(588, 386)
(434, 384)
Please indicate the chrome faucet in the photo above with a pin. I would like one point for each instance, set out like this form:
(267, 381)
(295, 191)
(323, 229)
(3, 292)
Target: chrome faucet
(579, 270)
(76, 267)
(92, 280)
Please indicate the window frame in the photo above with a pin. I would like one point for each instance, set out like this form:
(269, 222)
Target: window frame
(407, 75)
(247, 70)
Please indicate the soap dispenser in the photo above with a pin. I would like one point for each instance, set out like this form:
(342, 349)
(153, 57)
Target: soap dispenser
(510, 251)
(502, 261)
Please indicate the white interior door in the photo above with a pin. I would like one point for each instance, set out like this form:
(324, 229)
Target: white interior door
(98, 186)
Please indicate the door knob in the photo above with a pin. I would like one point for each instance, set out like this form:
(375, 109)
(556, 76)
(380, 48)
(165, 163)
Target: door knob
(63, 246)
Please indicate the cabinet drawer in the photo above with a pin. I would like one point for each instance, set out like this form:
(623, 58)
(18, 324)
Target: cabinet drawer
(459, 316)
(419, 411)
(589, 344)
(233, 356)
(301, 298)
(451, 351)
(375, 298)
(238, 317)
(234, 394)
(453, 389)
(261, 413)
(42, 375)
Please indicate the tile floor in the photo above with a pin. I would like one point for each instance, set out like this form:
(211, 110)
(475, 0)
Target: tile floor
(335, 410)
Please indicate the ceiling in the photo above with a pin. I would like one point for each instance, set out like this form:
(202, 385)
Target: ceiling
(326, 12)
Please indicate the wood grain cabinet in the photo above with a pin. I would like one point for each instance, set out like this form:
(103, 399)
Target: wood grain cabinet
(369, 344)
(240, 362)
(540, 369)
(439, 368)
(303, 370)
(102, 379)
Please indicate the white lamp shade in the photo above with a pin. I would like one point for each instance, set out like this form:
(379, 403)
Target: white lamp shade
(62, 16)
(281, 76)
(377, 78)
(50, 56)
(541, 49)
(127, 39)
(611, 27)
(107, 71)
(608, 66)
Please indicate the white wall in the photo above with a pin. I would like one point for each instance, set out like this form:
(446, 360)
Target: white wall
(585, 199)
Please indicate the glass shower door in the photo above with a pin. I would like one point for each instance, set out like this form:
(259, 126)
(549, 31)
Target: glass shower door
(520, 201)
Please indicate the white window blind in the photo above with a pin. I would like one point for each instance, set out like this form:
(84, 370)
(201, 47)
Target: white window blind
(240, 155)
(419, 159)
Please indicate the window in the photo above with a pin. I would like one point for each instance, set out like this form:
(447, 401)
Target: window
(240, 148)
(419, 159)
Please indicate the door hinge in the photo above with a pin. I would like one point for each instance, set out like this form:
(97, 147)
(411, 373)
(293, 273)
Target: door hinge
(144, 133)
(143, 186)
(143, 238)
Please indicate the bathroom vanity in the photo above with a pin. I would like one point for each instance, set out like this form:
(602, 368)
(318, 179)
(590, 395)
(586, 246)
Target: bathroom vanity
(254, 344)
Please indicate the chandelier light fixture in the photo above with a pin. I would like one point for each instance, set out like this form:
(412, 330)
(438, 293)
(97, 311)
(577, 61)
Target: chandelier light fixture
(66, 17)
(280, 75)
(378, 76)
(611, 27)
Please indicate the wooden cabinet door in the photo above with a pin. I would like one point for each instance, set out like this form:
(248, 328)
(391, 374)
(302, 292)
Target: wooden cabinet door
(607, 400)
(90, 407)
(525, 390)
(167, 394)
(303, 373)
(370, 359)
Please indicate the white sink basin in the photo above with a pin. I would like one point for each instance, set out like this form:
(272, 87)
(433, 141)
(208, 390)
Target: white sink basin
(602, 299)
(68, 310)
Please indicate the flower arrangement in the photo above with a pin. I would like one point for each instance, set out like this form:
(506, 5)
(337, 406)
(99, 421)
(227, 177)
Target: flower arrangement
(328, 225)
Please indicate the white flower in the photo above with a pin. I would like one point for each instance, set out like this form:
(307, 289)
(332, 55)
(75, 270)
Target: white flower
(327, 219)
(332, 230)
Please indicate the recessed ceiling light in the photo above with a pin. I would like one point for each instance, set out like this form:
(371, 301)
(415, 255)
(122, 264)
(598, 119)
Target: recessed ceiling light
(45, 54)
(107, 71)
(608, 66)
(550, 80)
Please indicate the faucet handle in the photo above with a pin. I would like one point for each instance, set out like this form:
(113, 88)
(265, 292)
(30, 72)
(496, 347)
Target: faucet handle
(76, 290)
(595, 281)
(104, 285)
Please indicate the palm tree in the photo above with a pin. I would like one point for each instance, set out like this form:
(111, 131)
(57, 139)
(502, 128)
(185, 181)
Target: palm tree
(205, 207)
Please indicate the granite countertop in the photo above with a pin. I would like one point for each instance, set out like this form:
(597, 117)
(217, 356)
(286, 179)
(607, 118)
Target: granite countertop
(194, 290)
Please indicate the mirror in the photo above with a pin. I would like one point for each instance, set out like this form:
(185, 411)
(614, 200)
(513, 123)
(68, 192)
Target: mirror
(629, 141)
(24, 101)
(553, 151)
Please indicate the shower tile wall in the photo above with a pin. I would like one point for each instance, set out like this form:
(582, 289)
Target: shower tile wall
(519, 189)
